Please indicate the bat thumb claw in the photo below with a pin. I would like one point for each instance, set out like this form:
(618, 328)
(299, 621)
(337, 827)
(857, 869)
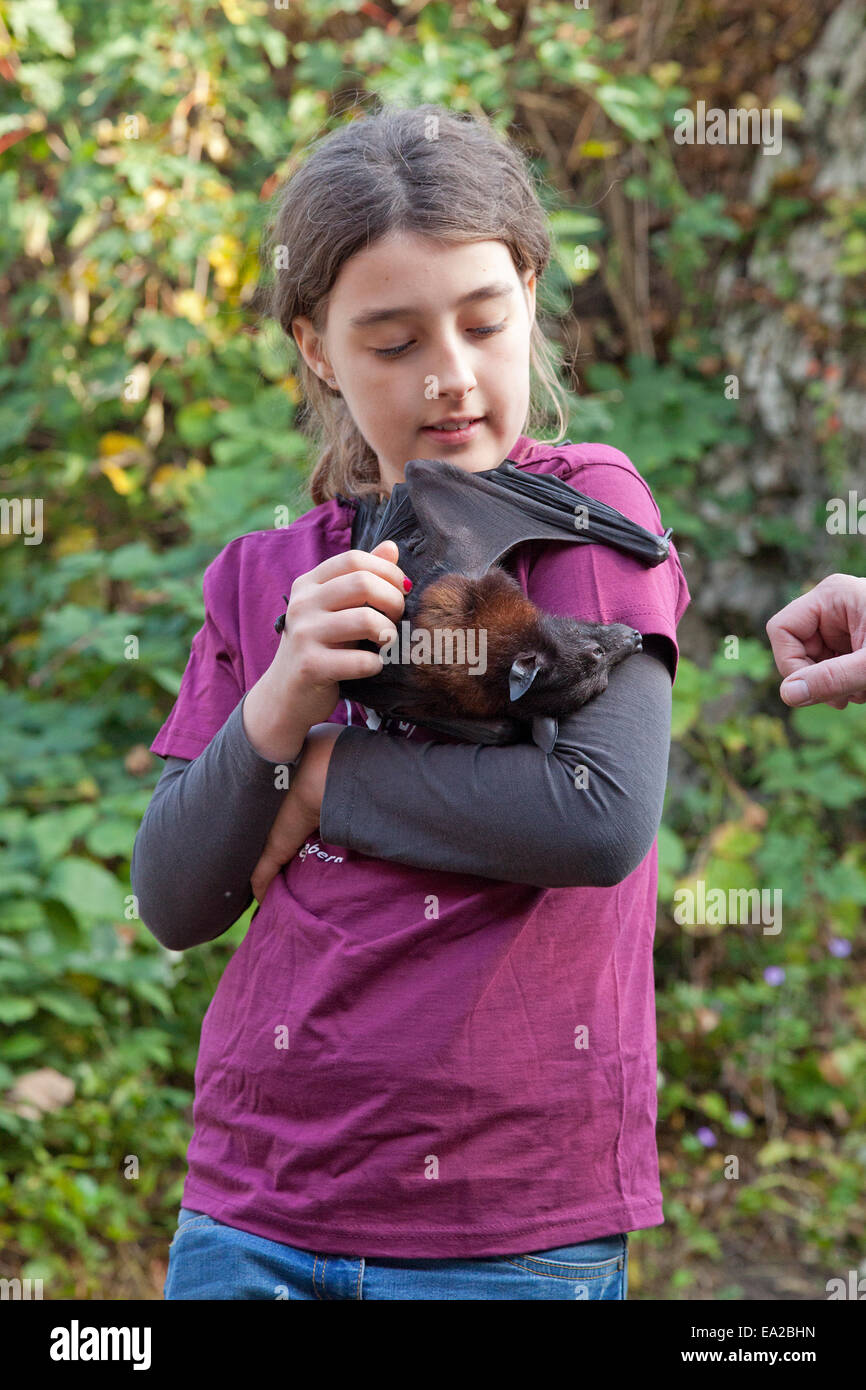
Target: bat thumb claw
(545, 732)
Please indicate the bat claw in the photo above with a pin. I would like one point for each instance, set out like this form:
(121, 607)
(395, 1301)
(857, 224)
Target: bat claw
(545, 731)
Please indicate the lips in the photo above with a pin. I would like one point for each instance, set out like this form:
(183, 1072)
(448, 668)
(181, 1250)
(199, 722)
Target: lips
(459, 434)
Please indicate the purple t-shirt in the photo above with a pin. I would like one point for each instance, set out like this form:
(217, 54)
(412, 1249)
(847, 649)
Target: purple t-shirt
(418, 1063)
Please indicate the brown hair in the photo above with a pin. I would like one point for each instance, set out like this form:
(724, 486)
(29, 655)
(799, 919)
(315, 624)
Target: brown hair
(422, 169)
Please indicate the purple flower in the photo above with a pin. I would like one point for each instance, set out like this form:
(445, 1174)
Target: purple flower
(706, 1137)
(774, 974)
(839, 946)
(739, 1118)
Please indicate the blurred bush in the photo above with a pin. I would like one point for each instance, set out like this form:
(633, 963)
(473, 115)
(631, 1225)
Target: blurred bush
(153, 416)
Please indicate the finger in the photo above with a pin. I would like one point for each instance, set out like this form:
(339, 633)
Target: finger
(372, 561)
(827, 621)
(838, 679)
(389, 550)
(263, 874)
(349, 663)
(797, 632)
(791, 650)
(358, 587)
(337, 625)
(262, 883)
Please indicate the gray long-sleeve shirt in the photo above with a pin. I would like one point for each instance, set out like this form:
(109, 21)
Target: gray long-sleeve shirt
(500, 812)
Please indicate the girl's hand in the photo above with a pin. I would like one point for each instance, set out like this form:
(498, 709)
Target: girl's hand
(351, 597)
(299, 814)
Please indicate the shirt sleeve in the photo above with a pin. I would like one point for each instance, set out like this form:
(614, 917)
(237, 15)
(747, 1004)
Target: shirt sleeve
(584, 814)
(201, 837)
(211, 685)
(598, 582)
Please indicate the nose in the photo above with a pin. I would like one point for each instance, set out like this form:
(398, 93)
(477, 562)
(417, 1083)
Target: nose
(455, 377)
(629, 637)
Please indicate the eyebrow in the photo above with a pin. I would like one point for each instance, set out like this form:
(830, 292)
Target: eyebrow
(496, 290)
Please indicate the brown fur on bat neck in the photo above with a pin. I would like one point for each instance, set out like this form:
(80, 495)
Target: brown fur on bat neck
(536, 663)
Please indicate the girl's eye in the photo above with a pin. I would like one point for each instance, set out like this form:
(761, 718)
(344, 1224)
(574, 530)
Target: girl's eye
(395, 351)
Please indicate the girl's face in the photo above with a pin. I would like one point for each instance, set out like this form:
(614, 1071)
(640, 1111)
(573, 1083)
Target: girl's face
(418, 332)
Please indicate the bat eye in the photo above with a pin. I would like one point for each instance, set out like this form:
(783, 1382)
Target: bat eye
(596, 653)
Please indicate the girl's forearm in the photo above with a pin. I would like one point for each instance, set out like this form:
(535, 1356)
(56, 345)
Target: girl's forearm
(275, 725)
(515, 813)
(201, 836)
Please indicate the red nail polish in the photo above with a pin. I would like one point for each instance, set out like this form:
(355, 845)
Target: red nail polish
(407, 584)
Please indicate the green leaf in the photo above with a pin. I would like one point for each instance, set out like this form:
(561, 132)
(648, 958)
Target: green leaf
(155, 995)
(275, 44)
(54, 831)
(43, 20)
(71, 1008)
(626, 109)
(197, 423)
(86, 889)
(14, 1010)
(21, 1047)
(775, 1151)
(17, 415)
(112, 837)
(434, 21)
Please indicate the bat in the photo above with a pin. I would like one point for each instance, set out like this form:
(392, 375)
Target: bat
(474, 657)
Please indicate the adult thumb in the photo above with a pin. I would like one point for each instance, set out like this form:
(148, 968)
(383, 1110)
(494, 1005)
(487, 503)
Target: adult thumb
(839, 677)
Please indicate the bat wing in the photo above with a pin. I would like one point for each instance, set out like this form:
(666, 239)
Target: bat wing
(469, 521)
(444, 519)
(395, 522)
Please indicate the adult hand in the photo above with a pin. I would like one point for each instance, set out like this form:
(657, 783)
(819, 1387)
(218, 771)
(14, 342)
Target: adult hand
(301, 809)
(819, 643)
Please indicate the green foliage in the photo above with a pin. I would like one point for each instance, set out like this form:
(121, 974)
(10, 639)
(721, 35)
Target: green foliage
(668, 419)
(156, 425)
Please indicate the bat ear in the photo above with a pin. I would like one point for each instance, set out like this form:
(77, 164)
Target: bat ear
(524, 669)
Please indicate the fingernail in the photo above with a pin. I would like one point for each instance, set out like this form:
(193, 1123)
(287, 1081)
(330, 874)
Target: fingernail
(407, 584)
(384, 637)
(796, 692)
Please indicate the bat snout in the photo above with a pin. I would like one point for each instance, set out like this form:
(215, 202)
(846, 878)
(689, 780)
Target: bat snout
(571, 666)
(622, 641)
(603, 643)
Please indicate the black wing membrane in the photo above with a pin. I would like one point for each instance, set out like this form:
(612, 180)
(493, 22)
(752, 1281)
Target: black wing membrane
(466, 522)
(397, 522)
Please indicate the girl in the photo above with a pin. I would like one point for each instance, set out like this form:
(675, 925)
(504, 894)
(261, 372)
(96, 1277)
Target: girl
(429, 1070)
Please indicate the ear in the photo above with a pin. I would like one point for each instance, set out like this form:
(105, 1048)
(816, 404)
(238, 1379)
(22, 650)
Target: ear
(310, 346)
(524, 669)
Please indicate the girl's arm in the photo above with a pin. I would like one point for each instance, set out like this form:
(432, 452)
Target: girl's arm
(509, 813)
(202, 833)
(516, 813)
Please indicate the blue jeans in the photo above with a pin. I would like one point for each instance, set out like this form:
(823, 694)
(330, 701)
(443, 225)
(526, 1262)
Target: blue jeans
(208, 1259)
